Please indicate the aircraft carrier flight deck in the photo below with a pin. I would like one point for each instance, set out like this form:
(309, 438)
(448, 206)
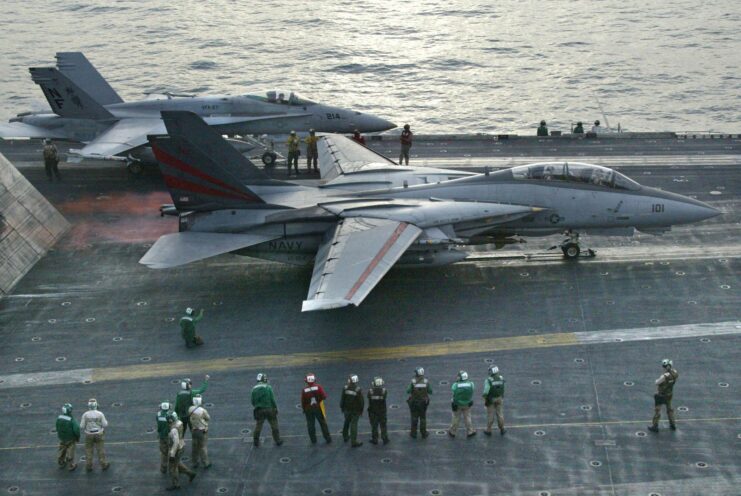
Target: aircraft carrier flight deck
(578, 342)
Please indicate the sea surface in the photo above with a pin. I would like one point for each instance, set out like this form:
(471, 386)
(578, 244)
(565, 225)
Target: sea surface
(442, 66)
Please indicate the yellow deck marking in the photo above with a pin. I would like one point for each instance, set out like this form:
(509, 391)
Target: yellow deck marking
(432, 428)
(488, 345)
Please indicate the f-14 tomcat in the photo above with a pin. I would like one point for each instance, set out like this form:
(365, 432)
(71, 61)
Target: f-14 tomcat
(371, 214)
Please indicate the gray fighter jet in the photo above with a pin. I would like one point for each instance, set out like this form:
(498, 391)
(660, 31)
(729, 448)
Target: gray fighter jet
(354, 236)
(86, 109)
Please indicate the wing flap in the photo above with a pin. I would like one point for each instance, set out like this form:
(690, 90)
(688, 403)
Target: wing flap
(353, 258)
(181, 248)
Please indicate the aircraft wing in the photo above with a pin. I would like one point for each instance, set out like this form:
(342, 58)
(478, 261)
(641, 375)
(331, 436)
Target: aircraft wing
(124, 135)
(22, 130)
(353, 258)
(340, 155)
(181, 248)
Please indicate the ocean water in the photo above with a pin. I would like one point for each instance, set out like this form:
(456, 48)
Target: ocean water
(442, 66)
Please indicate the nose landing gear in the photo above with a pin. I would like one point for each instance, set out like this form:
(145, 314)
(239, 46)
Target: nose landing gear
(571, 248)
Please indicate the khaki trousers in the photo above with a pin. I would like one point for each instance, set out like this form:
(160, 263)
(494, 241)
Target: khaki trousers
(465, 412)
(495, 410)
(163, 455)
(66, 454)
(199, 450)
(175, 466)
(94, 442)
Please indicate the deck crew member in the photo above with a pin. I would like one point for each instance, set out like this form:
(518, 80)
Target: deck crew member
(176, 446)
(163, 431)
(312, 402)
(377, 410)
(294, 151)
(188, 328)
(352, 405)
(265, 408)
(51, 161)
(462, 402)
(665, 385)
(312, 152)
(596, 129)
(542, 129)
(358, 138)
(68, 432)
(94, 423)
(406, 143)
(419, 392)
(579, 129)
(184, 399)
(493, 399)
(199, 419)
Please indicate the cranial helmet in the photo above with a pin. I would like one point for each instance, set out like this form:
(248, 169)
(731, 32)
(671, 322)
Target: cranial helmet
(310, 379)
(92, 404)
(378, 382)
(406, 126)
(596, 123)
(165, 406)
(353, 379)
(579, 123)
(197, 400)
(262, 377)
(542, 123)
(185, 384)
(666, 363)
(419, 371)
(311, 131)
(293, 132)
(493, 370)
(463, 375)
(172, 417)
(67, 408)
(188, 311)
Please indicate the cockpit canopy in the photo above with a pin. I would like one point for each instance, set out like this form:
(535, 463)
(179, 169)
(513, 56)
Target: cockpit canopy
(281, 96)
(576, 172)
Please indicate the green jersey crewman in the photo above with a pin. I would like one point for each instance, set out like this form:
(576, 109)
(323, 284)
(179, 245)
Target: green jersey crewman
(493, 399)
(188, 328)
(184, 399)
(68, 432)
(265, 408)
(462, 402)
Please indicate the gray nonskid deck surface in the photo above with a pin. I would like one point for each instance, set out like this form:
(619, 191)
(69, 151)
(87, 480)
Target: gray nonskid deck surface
(576, 413)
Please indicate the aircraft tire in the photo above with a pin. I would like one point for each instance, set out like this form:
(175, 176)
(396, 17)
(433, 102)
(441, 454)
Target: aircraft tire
(571, 251)
(135, 168)
(268, 158)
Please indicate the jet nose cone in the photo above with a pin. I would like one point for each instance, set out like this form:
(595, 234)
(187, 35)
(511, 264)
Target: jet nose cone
(371, 124)
(696, 211)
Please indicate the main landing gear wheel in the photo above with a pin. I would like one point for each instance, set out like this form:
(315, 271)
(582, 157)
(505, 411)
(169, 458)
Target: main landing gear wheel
(135, 168)
(269, 158)
(571, 250)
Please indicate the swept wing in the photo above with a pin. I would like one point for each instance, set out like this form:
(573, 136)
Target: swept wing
(353, 258)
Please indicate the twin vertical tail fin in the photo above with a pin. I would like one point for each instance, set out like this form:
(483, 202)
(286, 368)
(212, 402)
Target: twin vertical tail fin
(201, 170)
(65, 97)
(78, 69)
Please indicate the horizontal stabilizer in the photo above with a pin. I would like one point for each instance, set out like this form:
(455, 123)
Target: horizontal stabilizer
(340, 155)
(22, 130)
(182, 248)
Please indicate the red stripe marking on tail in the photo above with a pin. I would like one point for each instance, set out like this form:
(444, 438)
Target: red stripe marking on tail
(176, 163)
(183, 184)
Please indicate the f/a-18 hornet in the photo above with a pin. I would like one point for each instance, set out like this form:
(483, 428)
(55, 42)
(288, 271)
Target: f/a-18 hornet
(361, 222)
(86, 109)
